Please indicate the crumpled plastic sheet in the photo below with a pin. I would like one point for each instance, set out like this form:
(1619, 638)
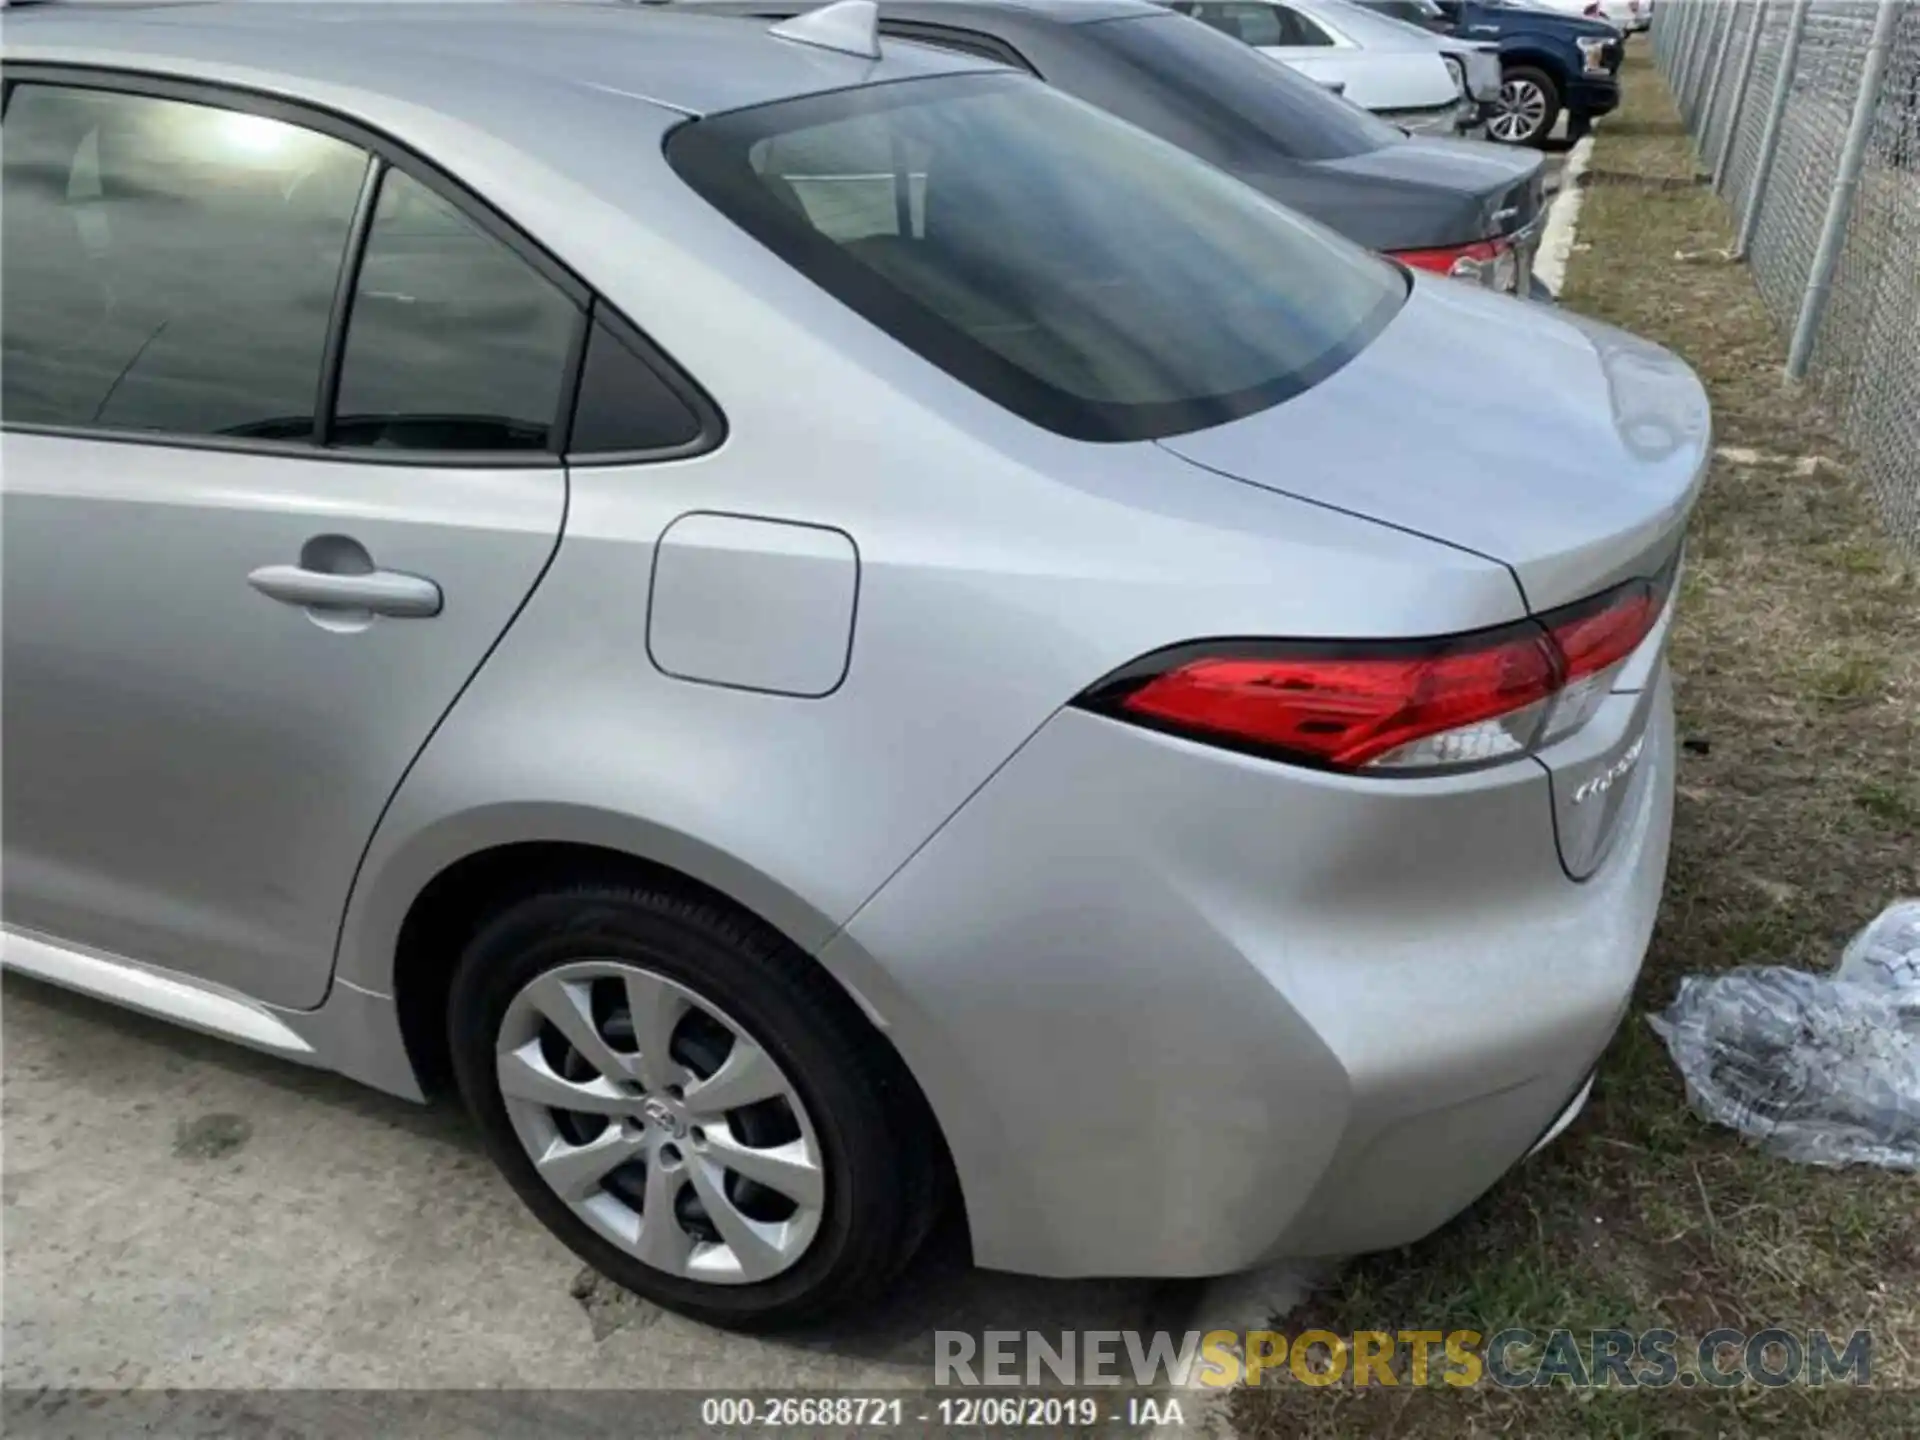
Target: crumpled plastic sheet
(1820, 1069)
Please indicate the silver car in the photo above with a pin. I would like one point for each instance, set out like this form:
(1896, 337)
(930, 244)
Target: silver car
(827, 635)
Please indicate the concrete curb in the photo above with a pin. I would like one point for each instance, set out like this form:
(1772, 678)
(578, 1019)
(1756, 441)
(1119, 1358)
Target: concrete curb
(1556, 242)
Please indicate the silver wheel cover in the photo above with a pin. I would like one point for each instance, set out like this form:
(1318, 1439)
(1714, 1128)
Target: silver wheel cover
(655, 1157)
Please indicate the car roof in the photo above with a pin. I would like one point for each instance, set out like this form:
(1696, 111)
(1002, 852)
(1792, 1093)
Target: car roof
(456, 55)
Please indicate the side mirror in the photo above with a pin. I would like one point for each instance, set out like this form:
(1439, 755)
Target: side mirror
(1338, 87)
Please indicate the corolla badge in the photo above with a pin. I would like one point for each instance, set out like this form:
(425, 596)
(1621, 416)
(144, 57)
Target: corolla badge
(1612, 775)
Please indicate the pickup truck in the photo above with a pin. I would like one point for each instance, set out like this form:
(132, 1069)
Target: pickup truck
(1549, 63)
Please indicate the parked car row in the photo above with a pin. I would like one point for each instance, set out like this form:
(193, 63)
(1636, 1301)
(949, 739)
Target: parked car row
(1425, 83)
(1457, 207)
(1513, 67)
(831, 632)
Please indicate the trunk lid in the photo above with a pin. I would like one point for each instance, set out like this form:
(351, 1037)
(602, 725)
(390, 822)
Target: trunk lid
(1434, 192)
(1568, 450)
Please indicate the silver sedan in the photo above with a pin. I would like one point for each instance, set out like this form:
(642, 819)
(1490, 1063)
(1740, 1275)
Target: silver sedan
(826, 629)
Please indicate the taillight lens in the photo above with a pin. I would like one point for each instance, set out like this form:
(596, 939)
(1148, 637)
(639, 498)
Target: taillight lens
(1594, 639)
(1491, 262)
(1388, 705)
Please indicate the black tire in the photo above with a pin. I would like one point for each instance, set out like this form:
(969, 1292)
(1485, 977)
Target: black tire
(1549, 89)
(880, 1159)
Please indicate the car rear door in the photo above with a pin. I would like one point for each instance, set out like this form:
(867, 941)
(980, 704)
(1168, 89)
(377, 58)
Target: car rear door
(230, 627)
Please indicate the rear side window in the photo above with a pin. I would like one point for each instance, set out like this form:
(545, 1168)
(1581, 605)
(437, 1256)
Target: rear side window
(1083, 274)
(1249, 24)
(1253, 23)
(167, 266)
(455, 342)
(625, 407)
(1301, 29)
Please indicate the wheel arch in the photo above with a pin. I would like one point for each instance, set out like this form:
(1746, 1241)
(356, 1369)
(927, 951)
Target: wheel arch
(414, 917)
(1537, 55)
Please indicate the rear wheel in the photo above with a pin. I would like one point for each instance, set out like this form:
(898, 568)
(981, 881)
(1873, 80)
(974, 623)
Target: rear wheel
(690, 1105)
(1528, 107)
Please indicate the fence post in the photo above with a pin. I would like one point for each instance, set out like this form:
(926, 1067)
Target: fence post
(1748, 58)
(1682, 45)
(1702, 60)
(1718, 60)
(1770, 136)
(1668, 21)
(1853, 155)
(1696, 13)
(1690, 57)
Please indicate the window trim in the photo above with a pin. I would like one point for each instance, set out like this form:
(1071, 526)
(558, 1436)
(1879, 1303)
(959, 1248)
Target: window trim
(383, 153)
(346, 283)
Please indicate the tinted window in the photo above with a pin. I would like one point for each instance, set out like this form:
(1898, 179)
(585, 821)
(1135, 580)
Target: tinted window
(1081, 273)
(1301, 29)
(1226, 103)
(455, 342)
(623, 405)
(1249, 24)
(168, 267)
(1252, 23)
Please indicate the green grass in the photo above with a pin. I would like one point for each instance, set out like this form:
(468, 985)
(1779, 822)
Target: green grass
(1797, 662)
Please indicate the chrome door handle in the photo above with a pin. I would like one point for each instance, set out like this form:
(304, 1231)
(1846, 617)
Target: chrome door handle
(383, 592)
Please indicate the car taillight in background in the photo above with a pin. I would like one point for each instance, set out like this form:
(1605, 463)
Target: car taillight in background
(1393, 707)
(1493, 263)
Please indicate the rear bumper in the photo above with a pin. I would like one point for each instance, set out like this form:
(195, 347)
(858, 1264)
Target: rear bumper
(1234, 1011)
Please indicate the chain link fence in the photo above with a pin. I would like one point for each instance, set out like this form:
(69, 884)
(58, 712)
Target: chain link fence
(1806, 114)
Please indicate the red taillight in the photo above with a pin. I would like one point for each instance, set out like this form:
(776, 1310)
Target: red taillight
(1448, 260)
(1605, 630)
(1492, 262)
(1413, 705)
(1347, 705)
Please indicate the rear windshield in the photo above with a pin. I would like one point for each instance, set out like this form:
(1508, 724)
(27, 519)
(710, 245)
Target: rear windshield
(1076, 270)
(1222, 99)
